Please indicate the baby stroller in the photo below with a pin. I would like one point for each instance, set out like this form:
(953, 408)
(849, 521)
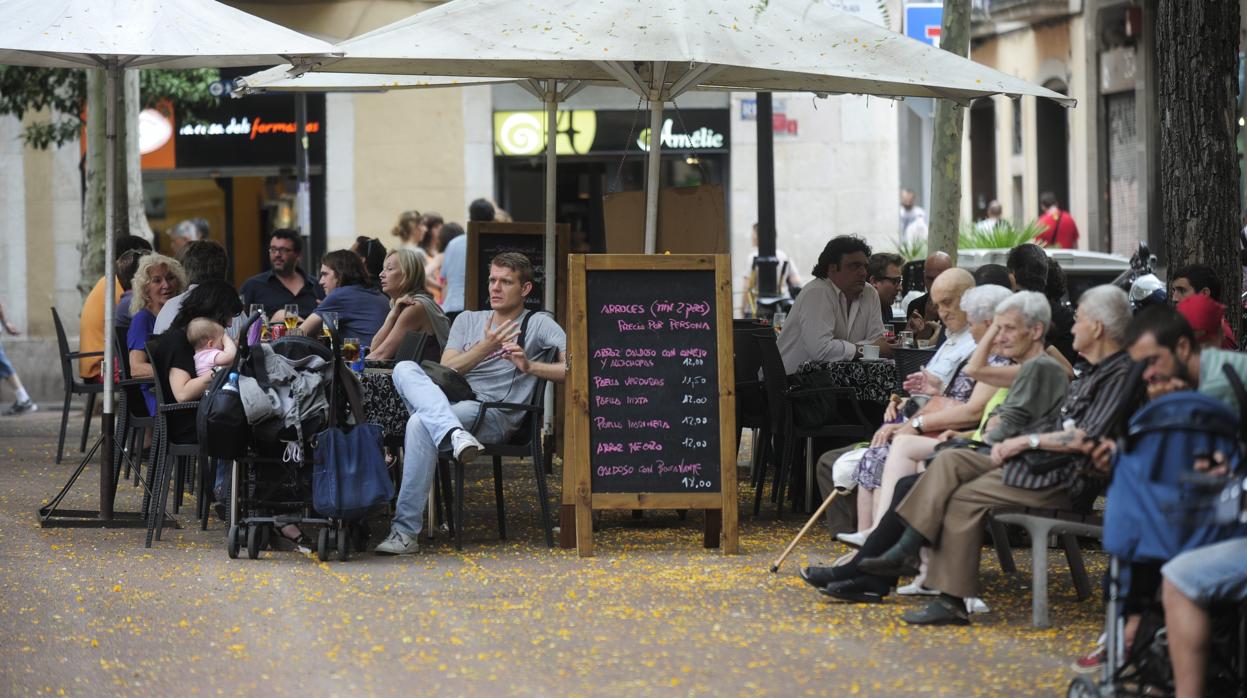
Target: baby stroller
(264, 413)
(1158, 507)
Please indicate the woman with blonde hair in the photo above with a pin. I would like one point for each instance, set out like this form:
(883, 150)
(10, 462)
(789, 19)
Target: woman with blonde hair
(412, 309)
(157, 279)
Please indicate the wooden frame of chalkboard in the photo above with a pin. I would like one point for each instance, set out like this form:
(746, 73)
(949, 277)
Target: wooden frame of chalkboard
(651, 392)
(485, 239)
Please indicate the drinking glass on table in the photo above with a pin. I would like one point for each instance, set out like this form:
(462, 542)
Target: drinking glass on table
(292, 315)
(329, 316)
(350, 349)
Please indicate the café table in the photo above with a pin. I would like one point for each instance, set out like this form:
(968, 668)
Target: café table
(382, 404)
(874, 380)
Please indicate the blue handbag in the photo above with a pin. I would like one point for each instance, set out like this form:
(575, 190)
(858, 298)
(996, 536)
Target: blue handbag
(349, 475)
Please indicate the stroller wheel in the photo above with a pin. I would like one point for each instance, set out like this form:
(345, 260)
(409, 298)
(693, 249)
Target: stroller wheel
(322, 545)
(1083, 687)
(344, 542)
(231, 543)
(253, 541)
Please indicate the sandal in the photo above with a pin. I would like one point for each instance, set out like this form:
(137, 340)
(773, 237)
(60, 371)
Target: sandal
(300, 542)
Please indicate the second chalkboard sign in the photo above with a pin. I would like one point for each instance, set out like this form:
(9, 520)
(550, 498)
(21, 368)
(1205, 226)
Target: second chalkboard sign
(485, 240)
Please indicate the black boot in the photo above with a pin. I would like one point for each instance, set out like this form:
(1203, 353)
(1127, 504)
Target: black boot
(901, 560)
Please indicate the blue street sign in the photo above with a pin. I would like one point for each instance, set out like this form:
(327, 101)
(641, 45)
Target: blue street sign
(922, 21)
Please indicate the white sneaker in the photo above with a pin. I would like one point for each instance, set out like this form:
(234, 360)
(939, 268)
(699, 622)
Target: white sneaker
(20, 407)
(854, 539)
(398, 543)
(916, 589)
(975, 605)
(465, 446)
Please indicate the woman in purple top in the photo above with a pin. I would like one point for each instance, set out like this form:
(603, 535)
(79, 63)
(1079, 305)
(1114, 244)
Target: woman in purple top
(361, 309)
(157, 279)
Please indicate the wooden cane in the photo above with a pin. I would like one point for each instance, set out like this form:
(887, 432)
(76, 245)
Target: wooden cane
(817, 515)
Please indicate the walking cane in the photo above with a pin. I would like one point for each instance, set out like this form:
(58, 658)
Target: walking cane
(817, 515)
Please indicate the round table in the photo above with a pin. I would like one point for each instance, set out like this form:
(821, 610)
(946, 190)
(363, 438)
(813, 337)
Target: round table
(874, 380)
(382, 404)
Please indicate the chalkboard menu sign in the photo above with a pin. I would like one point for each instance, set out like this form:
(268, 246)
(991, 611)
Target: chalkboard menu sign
(485, 240)
(653, 381)
(650, 409)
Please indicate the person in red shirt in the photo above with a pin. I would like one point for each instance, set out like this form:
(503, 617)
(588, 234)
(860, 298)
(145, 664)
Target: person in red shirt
(1059, 227)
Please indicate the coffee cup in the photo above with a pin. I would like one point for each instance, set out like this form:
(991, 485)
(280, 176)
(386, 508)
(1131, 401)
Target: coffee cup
(870, 352)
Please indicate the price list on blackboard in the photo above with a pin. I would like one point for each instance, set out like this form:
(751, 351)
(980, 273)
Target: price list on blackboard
(653, 381)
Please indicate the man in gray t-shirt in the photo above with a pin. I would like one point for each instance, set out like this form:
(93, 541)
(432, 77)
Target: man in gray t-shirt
(487, 348)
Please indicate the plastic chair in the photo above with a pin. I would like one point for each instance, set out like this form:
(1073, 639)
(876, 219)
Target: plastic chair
(161, 470)
(526, 441)
(74, 385)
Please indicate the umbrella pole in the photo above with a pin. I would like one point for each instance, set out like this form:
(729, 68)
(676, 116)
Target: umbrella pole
(112, 76)
(651, 178)
(551, 249)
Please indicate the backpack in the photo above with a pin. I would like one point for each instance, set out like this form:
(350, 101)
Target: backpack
(1157, 505)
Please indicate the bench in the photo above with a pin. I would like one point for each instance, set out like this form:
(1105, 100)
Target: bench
(1039, 524)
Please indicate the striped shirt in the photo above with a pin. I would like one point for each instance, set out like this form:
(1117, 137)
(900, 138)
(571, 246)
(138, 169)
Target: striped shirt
(1092, 402)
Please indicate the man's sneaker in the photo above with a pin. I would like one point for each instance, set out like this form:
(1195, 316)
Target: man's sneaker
(20, 407)
(398, 543)
(854, 540)
(465, 446)
(1091, 663)
(916, 589)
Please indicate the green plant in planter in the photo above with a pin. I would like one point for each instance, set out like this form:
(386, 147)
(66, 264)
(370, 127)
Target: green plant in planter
(1003, 235)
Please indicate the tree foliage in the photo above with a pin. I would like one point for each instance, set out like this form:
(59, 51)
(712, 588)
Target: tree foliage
(63, 91)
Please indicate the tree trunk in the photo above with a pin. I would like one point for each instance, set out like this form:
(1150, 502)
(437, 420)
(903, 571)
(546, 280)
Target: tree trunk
(92, 245)
(1197, 91)
(136, 218)
(944, 212)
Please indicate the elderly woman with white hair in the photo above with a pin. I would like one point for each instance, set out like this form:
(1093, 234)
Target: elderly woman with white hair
(958, 405)
(1035, 439)
(914, 439)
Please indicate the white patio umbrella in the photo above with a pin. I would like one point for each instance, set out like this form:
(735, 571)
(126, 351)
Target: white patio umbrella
(278, 79)
(660, 49)
(113, 35)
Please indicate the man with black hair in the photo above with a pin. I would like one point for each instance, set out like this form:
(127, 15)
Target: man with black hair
(203, 260)
(91, 322)
(455, 257)
(1028, 267)
(285, 282)
(884, 273)
(1201, 280)
(481, 211)
(837, 312)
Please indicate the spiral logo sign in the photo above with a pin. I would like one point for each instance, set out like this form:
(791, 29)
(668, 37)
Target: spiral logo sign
(523, 133)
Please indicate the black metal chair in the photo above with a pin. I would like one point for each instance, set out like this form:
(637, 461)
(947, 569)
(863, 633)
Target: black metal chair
(74, 385)
(132, 418)
(846, 424)
(751, 405)
(526, 441)
(169, 459)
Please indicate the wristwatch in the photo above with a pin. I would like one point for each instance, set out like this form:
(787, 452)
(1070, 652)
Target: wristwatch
(917, 423)
(1033, 440)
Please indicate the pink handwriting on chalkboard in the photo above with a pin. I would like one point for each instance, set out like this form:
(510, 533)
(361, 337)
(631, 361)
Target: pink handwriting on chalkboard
(625, 326)
(635, 446)
(617, 309)
(610, 447)
(605, 353)
(611, 470)
(629, 363)
(638, 381)
(604, 423)
(637, 400)
(600, 382)
(679, 308)
(687, 325)
(680, 468)
(648, 424)
(600, 400)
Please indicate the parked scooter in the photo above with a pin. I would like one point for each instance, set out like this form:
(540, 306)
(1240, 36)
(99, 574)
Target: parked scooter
(1140, 281)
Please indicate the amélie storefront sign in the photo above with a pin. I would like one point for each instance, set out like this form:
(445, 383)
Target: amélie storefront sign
(603, 132)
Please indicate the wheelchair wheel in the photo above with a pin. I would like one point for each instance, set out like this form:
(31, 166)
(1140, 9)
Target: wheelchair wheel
(1083, 687)
(253, 542)
(231, 543)
(322, 545)
(344, 542)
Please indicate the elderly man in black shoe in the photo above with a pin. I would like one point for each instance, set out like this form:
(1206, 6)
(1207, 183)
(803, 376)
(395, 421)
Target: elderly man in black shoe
(1040, 465)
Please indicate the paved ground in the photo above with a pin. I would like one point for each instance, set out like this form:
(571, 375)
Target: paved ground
(89, 612)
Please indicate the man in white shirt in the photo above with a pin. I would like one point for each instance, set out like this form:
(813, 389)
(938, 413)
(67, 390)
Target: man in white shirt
(837, 312)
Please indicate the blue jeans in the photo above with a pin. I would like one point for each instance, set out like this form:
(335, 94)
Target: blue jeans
(432, 419)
